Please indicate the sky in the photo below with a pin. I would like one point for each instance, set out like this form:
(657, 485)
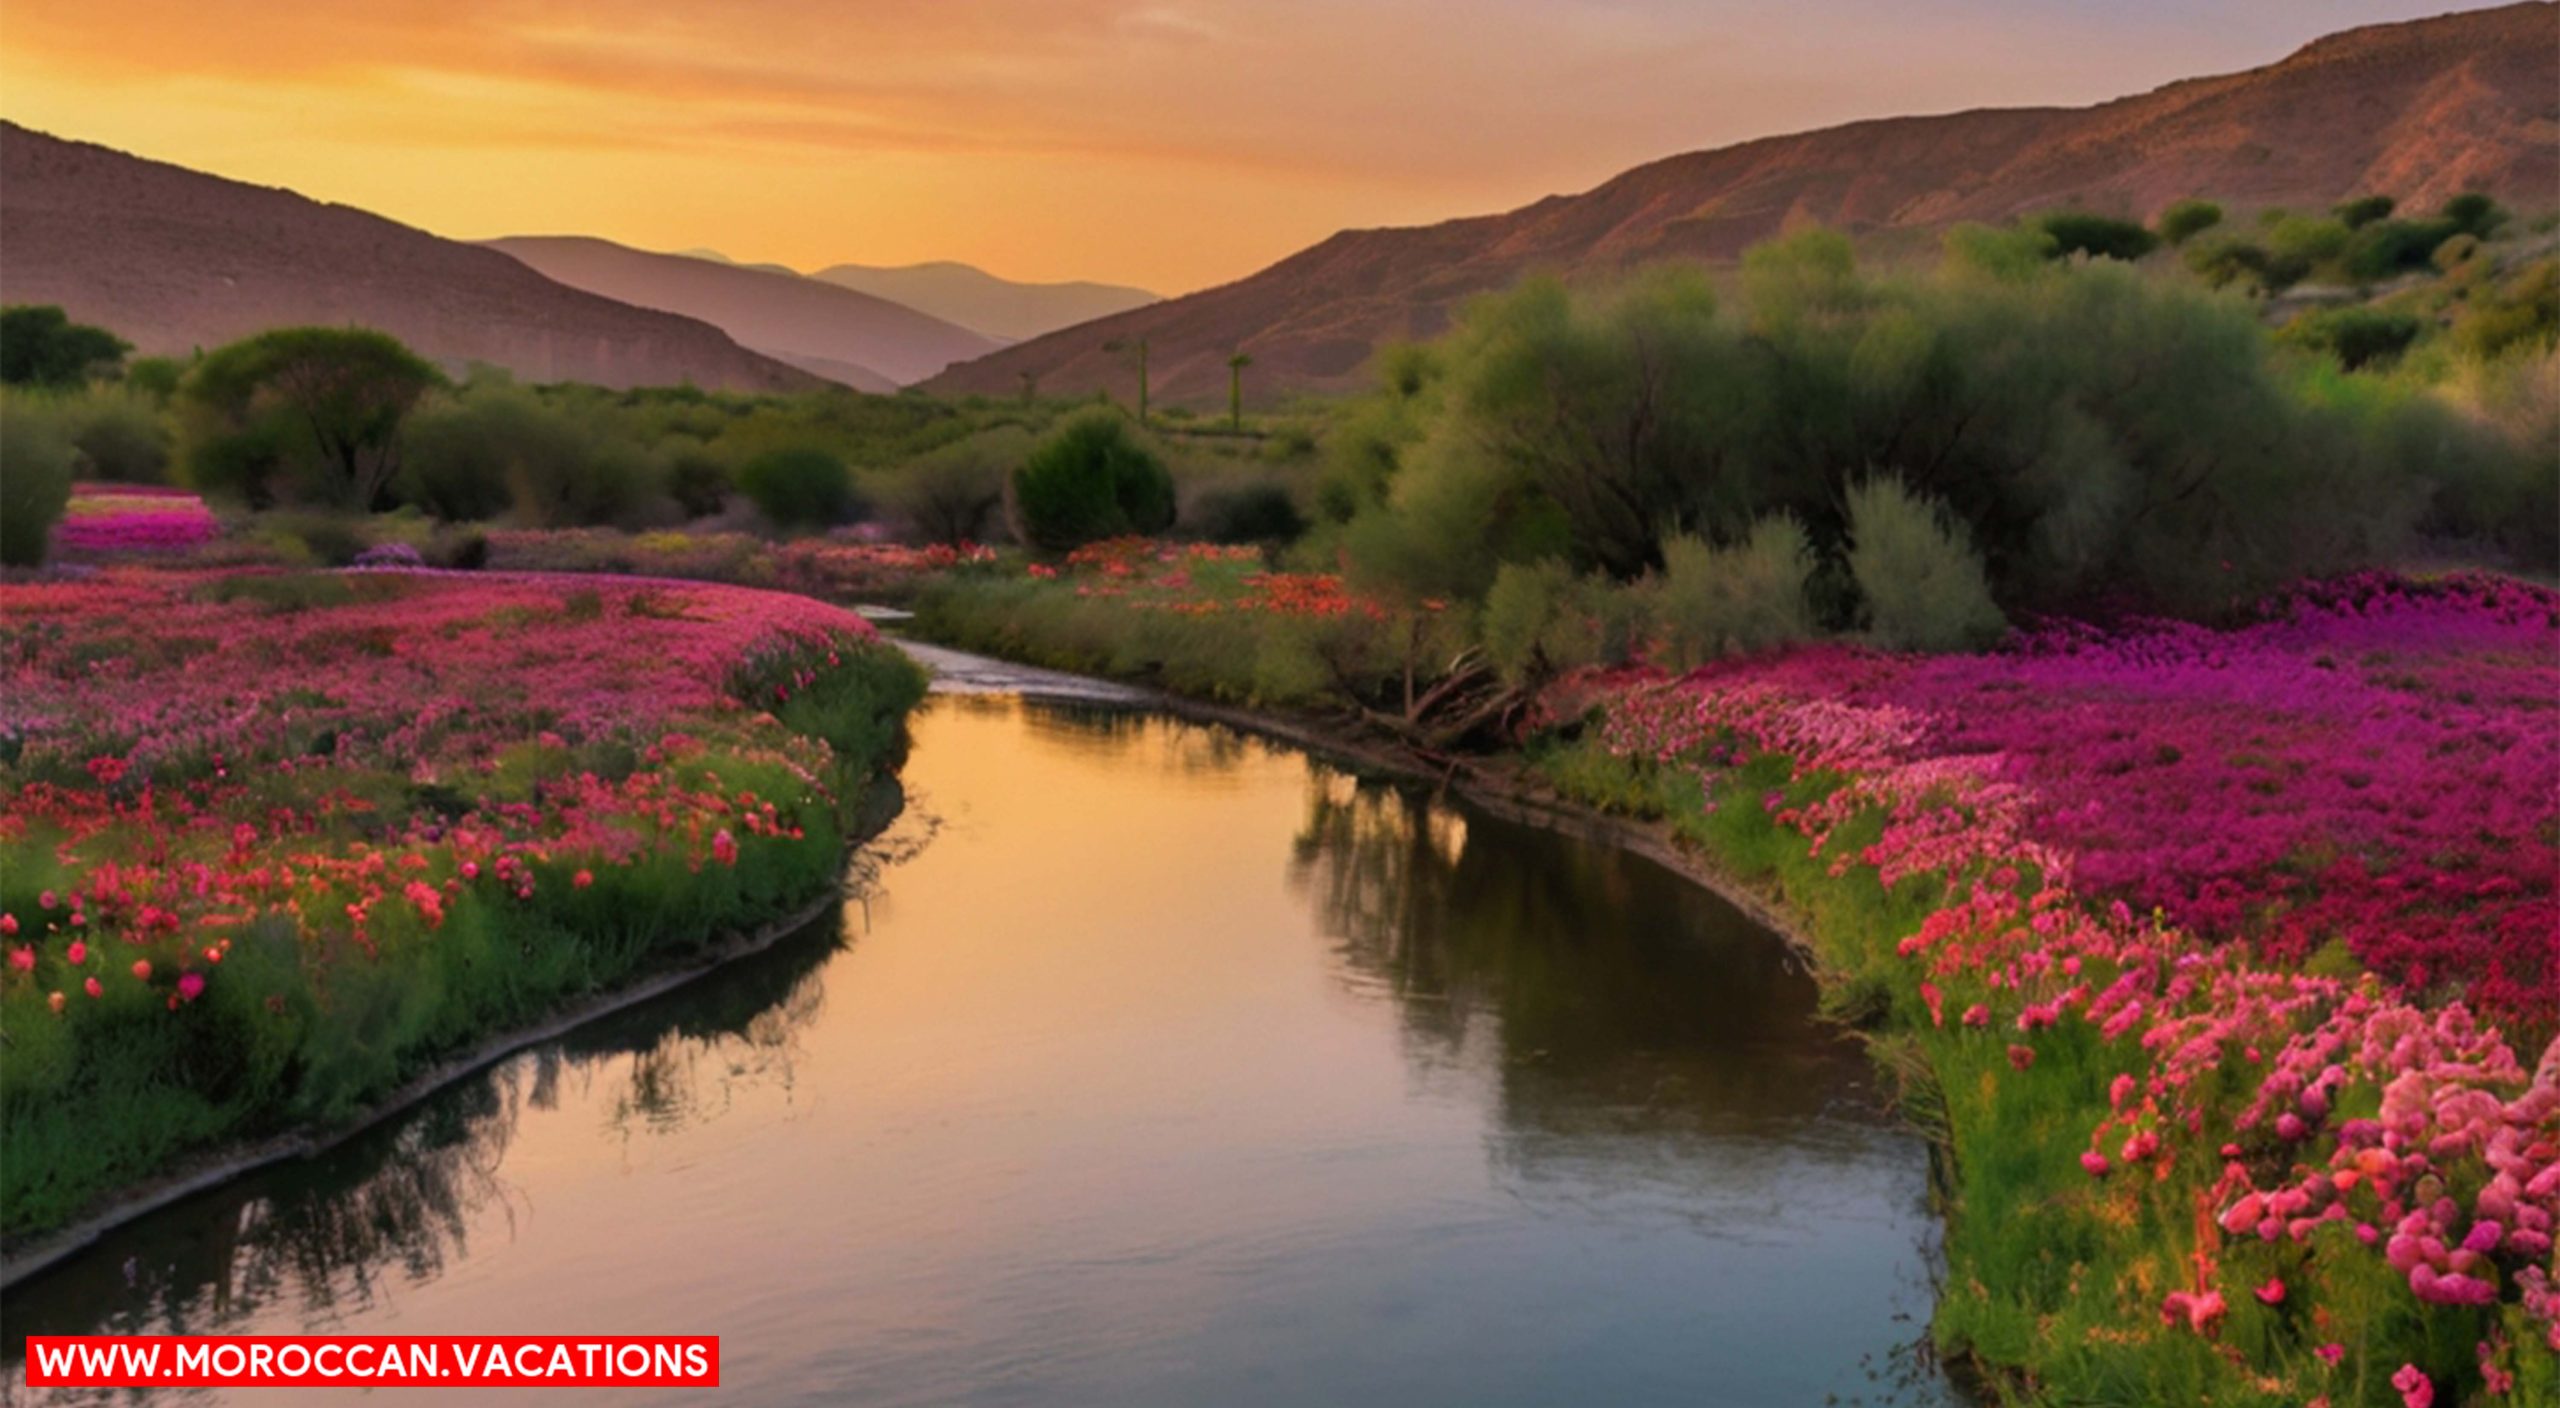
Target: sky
(1171, 144)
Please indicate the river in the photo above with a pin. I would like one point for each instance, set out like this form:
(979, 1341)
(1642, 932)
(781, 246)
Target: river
(1151, 1064)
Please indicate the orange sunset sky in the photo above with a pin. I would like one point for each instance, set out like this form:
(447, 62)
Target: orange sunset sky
(1171, 145)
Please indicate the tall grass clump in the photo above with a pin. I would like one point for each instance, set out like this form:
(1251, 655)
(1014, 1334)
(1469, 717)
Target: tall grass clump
(36, 459)
(1734, 600)
(1920, 577)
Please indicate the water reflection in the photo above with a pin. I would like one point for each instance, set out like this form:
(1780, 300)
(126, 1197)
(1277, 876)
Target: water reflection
(1171, 1067)
(330, 1238)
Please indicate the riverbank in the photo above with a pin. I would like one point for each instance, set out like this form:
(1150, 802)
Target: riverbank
(2173, 1161)
(287, 849)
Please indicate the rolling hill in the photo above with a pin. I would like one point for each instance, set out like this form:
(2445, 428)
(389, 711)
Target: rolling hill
(813, 324)
(973, 298)
(174, 260)
(2422, 111)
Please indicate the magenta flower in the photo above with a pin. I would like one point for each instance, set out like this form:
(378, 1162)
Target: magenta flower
(2415, 1390)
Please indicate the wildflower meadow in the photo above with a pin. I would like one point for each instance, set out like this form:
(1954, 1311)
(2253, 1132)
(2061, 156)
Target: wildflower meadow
(2226, 964)
(278, 839)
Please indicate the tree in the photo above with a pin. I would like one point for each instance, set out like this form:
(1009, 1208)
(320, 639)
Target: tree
(41, 346)
(2187, 219)
(340, 393)
(1235, 389)
(2363, 211)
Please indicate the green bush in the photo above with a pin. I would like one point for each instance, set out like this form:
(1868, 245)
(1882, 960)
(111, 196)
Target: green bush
(1716, 601)
(1922, 580)
(36, 460)
(2097, 236)
(698, 481)
(800, 488)
(1246, 513)
(2358, 337)
(2186, 219)
(1091, 479)
(120, 435)
(2363, 211)
(39, 346)
(2520, 315)
(950, 495)
(2473, 214)
(1541, 618)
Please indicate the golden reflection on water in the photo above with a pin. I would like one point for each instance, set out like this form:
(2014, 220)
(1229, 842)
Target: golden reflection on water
(1160, 1064)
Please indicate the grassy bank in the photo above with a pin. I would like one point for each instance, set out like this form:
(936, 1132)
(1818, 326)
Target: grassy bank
(276, 842)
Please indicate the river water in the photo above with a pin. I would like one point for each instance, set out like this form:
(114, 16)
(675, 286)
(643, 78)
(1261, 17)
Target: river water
(1154, 1064)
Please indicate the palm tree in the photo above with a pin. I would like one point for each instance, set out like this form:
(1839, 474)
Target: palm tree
(1116, 345)
(1235, 390)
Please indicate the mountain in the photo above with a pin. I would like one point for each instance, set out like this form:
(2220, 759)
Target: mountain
(2423, 111)
(779, 314)
(173, 260)
(974, 298)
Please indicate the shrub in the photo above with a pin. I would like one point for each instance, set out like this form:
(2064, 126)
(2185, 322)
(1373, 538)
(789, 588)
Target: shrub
(36, 459)
(119, 435)
(2363, 211)
(1091, 479)
(1540, 618)
(1921, 578)
(2097, 236)
(2521, 314)
(2186, 219)
(2473, 214)
(698, 481)
(800, 488)
(321, 538)
(1734, 600)
(950, 495)
(2358, 337)
(2229, 260)
(1248, 513)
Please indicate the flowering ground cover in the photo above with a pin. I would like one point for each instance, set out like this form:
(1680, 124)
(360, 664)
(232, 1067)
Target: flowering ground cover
(1197, 618)
(275, 840)
(106, 521)
(2226, 961)
(836, 568)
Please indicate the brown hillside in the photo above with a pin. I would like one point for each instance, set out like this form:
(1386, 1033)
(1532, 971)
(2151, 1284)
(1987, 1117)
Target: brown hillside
(2422, 111)
(173, 260)
(807, 322)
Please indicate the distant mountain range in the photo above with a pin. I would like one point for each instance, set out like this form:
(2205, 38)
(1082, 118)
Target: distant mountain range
(2421, 111)
(173, 260)
(863, 341)
(1003, 309)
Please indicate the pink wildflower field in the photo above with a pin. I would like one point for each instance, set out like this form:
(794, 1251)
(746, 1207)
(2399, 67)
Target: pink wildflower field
(2285, 898)
(106, 521)
(368, 776)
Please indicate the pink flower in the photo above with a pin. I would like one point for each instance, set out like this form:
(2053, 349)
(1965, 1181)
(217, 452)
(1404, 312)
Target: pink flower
(78, 953)
(142, 969)
(724, 847)
(2272, 1293)
(2415, 1391)
(2021, 1056)
(8, 923)
(582, 879)
(2331, 1353)
(190, 986)
(23, 959)
(2094, 1162)
(92, 988)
